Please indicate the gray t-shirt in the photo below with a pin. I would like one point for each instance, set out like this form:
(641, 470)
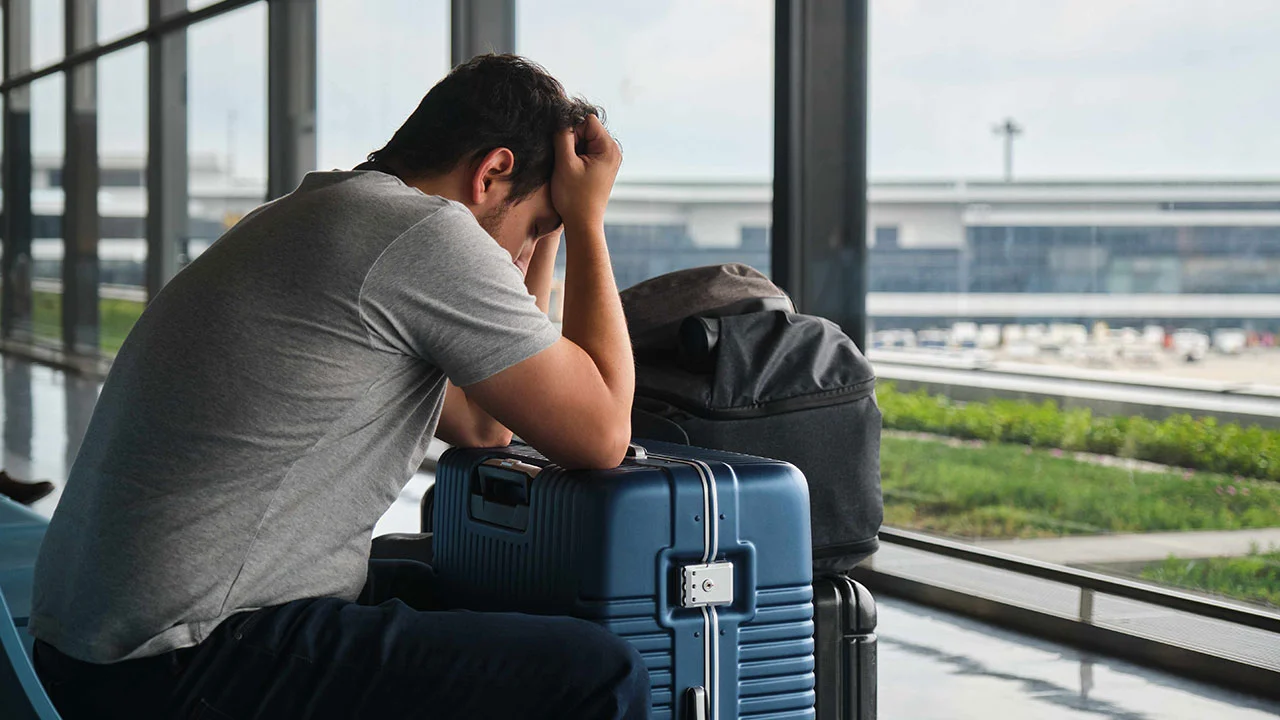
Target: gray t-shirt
(267, 409)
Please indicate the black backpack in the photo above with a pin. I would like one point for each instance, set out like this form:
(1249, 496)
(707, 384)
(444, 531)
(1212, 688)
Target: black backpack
(725, 362)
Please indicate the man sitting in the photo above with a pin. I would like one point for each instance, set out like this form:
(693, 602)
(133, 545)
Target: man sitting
(210, 554)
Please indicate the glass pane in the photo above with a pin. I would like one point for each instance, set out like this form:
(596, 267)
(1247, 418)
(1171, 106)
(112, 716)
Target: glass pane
(122, 192)
(48, 32)
(404, 44)
(47, 122)
(226, 122)
(1087, 217)
(118, 18)
(696, 181)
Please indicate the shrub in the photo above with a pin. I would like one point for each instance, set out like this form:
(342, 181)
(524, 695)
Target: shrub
(1254, 578)
(1181, 440)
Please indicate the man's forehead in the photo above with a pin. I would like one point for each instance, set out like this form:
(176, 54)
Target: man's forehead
(544, 211)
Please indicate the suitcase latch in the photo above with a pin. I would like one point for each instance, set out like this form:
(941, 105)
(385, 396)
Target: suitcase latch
(709, 584)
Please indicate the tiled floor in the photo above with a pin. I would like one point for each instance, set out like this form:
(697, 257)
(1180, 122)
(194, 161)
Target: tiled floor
(932, 664)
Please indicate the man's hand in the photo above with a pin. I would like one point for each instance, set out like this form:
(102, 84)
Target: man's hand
(587, 160)
(572, 401)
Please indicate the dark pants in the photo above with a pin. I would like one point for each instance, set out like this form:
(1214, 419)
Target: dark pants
(388, 655)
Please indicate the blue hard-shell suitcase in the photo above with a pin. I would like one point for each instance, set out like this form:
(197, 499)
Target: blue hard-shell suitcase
(700, 558)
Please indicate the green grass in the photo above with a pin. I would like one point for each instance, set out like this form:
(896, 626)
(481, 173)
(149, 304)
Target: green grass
(1253, 578)
(1000, 490)
(115, 317)
(1180, 440)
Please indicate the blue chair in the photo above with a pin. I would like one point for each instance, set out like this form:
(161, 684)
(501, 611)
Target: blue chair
(21, 695)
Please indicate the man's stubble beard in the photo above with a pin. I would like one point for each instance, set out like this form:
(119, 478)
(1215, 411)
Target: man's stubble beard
(493, 220)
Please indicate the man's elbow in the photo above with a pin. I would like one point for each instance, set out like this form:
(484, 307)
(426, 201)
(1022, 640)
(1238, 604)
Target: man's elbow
(489, 437)
(609, 449)
(496, 437)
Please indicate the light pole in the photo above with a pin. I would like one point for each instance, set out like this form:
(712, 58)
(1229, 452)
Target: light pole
(1009, 129)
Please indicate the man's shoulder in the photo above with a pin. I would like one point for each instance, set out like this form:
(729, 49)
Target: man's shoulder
(370, 185)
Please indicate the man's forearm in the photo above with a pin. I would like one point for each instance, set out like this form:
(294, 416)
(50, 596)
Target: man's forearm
(466, 424)
(593, 316)
(541, 273)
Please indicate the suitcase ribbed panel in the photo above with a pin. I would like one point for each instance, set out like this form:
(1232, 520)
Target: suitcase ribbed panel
(634, 621)
(775, 656)
(601, 546)
(505, 563)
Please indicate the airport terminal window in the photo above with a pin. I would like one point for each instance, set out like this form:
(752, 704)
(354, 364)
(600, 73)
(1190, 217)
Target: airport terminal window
(373, 69)
(755, 239)
(1135, 243)
(45, 269)
(118, 18)
(935, 270)
(886, 236)
(1212, 260)
(122, 193)
(48, 32)
(697, 146)
(226, 122)
(123, 177)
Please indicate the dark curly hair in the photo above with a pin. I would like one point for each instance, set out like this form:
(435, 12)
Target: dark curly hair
(488, 102)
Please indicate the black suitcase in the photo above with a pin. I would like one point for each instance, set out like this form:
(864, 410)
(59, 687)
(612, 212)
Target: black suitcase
(844, 619)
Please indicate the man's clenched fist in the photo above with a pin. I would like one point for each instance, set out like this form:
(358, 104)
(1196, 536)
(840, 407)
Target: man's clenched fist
(587, 160)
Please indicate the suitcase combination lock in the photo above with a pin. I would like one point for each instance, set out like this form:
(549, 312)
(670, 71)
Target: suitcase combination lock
(709, 584)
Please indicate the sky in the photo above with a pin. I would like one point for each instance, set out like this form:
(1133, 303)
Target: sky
(1103, 88)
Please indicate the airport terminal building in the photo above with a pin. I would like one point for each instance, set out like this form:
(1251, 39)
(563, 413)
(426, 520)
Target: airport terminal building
(1175, 253)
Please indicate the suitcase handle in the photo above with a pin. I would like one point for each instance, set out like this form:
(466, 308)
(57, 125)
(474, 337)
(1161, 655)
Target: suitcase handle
(500, 493)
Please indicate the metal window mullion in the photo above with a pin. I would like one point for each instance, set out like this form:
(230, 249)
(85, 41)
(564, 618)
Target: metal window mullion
(820, 237)
(167, 181)
(856, 105)
(785, 249)
(80, 189)
(481, 26)
(291, 96)
(15, 266)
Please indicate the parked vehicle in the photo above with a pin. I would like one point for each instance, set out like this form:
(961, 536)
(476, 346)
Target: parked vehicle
(933, 338)
(1230, 341)
(1190, 344)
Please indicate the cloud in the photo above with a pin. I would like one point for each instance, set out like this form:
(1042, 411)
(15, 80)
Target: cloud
(1104, 88)
(1135, 88)
(376, 59)
(688, 84)
(227, 89)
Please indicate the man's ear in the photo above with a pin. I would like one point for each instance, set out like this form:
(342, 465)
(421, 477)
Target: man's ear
(496, 165)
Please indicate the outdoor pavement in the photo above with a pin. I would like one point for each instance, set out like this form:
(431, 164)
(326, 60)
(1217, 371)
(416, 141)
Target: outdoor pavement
(1138, 547)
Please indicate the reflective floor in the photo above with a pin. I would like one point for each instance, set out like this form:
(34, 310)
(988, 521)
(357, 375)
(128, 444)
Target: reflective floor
(932, 664)
(45, 414)
(938, 666)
